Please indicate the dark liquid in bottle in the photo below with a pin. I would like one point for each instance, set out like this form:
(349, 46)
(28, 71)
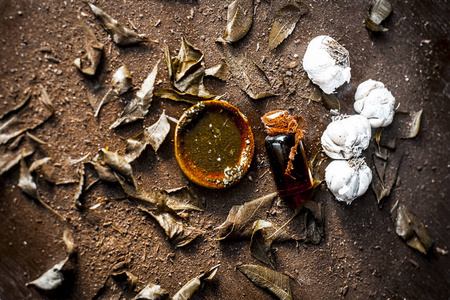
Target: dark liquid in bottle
(297, 186)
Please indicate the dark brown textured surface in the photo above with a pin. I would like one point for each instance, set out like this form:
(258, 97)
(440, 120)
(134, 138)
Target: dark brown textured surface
(360, 256)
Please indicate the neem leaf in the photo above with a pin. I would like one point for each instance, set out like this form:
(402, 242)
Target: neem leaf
(152, 292)
(241, 218)
(156, 133)
(379, 12)
(387, 171)
(285, 21)
(239, 20)
(248, 75)
(105, 173)
(410, 228)
(134, 149)
(179, 234)
(121, 35)
(138, 107)
(89, 63)
(27, 117)
(182, 198)
(121, 81)
(187, 70)
(264, 234)
(275, 283)
(219, 71)
(118, 163)
(194, 284)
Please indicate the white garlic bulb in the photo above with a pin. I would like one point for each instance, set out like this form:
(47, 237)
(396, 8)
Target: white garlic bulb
(346, 137)
(375, 102)
(327, 63)
(348, 180)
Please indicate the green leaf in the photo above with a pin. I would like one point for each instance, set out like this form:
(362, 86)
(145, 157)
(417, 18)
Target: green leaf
(275, 283)
(194, 284)
(240, 219)
(285, 21)
(138, 107)
(239, 20)
(94, 49)
(410, 228)
(121, 35)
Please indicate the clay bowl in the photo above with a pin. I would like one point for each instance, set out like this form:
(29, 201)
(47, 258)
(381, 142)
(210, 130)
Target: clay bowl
(214, 144)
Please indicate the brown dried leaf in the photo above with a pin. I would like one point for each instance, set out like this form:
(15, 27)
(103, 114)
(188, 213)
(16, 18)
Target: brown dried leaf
(331, 102)
(239, 20)
(248, 75)
(121, 35)
(127, 277)
(241, 218)
(219, 71)
(386, 171)
(181, 97)
(275, 283)
(179, 234)
(410, 228)
(94, 49)
(285, 21)
(138, 107)
(152, 292)
(194, 284)
(156, 133)
(380, 11)
(119, 164)
(9, 159)
(182, 198)
(18, 106)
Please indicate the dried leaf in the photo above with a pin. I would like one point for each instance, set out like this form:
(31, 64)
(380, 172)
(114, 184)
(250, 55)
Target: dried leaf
(27, 117)
(182, 198)
(138, 107)
(387, 171)
(18, 106)
(239, 20)
(410, 228)
(248, 75)
(241, 218)
(314, 222)
(380, 11)
(157, 133)
(187, 70)
(105, 173)
(8, 159)
(194, 284)
(180, 97)
(36, 139)
(121, 81)
(152, 292)
(275, 283)
(121, 35)
(331, 101)
(26, 181)
(179, 234)
(79, 190)
(219, 71)
(118, 163)
(264, 234)
(91, 60)
(285, 21)
(130, 279)
(134, 149)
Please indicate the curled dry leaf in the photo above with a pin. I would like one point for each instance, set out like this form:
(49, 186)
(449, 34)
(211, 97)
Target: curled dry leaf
(314, 222)
(127, 277)
(241, 218)
(195, 284)
(239, 20)
(264, 234)
(385, 174)
(219, 71)
(134, 149)
(181, 97)
(179, 234)
(91, 60)
(54, 277)
(105, 173)
(121, 35)
(118, 163)
(27, 117)
(182, 198)
(152, 292)
(275, 283)
(380, 11)
(410, 228)
(248, 75)
(157, 133)
(285, 21)
(138, 107)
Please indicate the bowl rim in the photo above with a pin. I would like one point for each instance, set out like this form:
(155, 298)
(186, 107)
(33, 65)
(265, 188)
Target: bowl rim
(235, 173)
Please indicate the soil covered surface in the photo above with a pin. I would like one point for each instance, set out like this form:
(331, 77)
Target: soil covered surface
(359, 256)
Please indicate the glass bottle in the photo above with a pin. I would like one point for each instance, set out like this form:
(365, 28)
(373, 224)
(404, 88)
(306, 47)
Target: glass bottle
(297, 186)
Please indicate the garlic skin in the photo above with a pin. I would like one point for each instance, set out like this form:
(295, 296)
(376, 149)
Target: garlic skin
(375, 102)
(348, 180)
(346, 137)
(327, 63)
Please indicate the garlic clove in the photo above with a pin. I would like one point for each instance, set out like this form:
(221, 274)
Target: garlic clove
(346, 137)
(348, 180)
(327, 63)
(375, 102)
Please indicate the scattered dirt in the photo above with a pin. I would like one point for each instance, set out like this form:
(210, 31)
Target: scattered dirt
(360, 256)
